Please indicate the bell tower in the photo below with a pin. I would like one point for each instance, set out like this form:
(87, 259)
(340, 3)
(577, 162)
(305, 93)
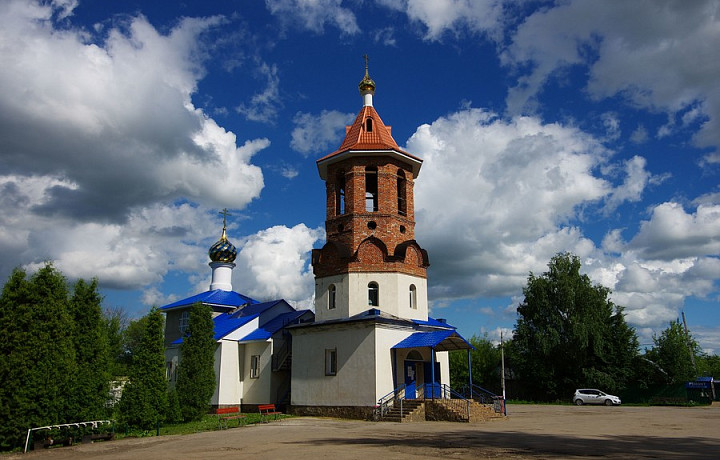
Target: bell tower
(371, 259)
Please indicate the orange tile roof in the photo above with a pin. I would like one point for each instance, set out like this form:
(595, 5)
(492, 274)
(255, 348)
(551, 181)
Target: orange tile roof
(357, 138)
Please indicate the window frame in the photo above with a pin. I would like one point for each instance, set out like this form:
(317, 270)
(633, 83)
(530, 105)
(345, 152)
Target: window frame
(184, 322)
(332, 297)
(402, 192)
(413, 297)
(255, 366)
(340, 203)
(331, 361)
(373, 294)
(371, 189)
(368, 125)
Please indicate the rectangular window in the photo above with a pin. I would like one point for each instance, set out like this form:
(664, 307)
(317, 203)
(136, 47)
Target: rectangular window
(331, 361)
(255, 366)
(184, 321)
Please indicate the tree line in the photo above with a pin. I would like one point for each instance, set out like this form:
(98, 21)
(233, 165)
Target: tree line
(570, 335)
(60, 353)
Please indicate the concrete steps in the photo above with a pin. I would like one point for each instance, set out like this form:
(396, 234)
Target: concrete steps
(412, 410)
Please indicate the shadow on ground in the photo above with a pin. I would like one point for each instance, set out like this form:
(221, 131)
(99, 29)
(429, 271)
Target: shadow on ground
(536, 445)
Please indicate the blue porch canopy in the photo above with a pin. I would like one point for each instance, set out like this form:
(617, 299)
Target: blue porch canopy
(442, 340)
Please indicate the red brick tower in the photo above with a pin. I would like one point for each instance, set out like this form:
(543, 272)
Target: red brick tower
(371, 259)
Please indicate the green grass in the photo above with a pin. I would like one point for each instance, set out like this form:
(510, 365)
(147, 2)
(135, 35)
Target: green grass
(207, 423)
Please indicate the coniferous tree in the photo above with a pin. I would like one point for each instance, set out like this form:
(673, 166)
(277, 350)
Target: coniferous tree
(174, 414)
(90, 394)
(196, 372)
(37, 354)
(144, 399)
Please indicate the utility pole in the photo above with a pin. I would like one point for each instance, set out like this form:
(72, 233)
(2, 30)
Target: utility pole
(502, 364)
(687, 342)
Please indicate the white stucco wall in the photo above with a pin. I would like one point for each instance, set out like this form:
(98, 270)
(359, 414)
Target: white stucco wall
(228, 389)
(352, 295)
(365, 364)
(258, 390)
(353, 385)
(385, 339)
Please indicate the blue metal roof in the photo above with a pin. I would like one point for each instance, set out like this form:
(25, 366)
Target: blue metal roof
(230, 299)
(228, 322)
(267, 330)
(441, 340)
(225, 323)
(433, 322)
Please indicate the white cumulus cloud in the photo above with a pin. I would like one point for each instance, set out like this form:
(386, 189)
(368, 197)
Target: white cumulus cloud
(315, 14)
(118, 149)
(318, 133)
(275, 263)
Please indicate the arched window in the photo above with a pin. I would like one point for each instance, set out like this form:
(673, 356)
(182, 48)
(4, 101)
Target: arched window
(368, 125)
(402, 201)
(340, 193)
(413, 297)
(184, 321)
(373, 294)
(371, 189)
(414, 355)
(331, 297)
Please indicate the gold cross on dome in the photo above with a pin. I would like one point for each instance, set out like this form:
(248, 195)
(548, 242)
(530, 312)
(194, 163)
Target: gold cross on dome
(224, 213)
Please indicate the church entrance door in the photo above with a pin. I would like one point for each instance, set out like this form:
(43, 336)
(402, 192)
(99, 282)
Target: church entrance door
(434, 389)
(410, 380)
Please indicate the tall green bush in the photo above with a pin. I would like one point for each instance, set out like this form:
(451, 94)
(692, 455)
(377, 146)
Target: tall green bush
(91, 387)
(196, 372)
(144, 399)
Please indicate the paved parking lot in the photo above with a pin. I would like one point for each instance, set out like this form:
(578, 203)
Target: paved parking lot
(529, 432)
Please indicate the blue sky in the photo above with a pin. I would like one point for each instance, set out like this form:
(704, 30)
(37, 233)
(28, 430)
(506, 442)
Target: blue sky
(582, 126)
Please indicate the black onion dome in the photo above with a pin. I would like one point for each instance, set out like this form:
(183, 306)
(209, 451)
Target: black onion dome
(223, 250)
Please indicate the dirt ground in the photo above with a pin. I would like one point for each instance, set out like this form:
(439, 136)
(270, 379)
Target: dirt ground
(528, 432)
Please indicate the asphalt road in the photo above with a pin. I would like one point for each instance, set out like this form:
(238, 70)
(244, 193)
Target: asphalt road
(528, 432)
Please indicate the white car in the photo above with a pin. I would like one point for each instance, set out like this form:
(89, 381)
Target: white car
(592, 396)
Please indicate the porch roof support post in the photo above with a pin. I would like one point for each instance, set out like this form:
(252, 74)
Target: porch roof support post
(393, 361)
(432, 371)
(470, 373)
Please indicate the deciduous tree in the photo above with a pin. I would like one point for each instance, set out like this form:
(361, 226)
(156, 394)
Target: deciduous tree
(570, 335)
(672, 352)
(485, 360)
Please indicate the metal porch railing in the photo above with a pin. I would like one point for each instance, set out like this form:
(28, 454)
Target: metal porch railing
(484, 396)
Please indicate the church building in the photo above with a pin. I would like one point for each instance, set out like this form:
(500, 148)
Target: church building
(372, 335)
(370, 341)
(252, 357)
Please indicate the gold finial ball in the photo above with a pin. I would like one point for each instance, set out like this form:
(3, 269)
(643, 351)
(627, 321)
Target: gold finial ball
(367, 84)
(223, 250)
